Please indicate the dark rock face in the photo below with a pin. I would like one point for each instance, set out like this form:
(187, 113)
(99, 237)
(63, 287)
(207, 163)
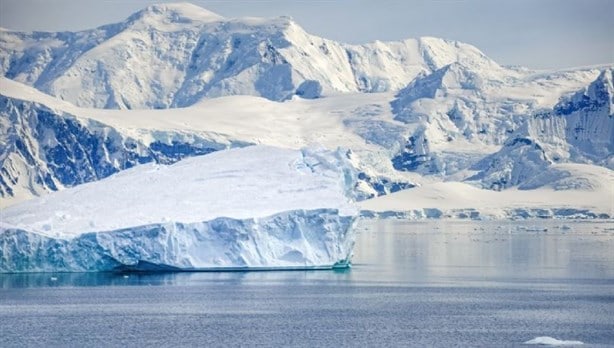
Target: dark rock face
(61, 150)
(414, 156)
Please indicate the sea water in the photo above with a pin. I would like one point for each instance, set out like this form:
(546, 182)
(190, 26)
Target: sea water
(412, 284)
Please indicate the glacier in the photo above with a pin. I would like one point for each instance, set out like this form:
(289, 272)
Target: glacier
(257, 207)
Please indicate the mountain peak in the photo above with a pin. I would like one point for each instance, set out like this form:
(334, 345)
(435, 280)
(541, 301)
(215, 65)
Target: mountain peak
(603, 86)
(173, 13)
(454, 76)
(598, 94)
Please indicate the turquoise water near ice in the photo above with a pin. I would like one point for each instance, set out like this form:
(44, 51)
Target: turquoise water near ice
(411, 284)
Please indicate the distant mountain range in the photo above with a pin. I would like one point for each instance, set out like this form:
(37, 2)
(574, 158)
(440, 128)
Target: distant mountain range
(409, 112)
(176, 54)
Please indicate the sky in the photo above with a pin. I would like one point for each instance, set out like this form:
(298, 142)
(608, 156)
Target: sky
(539, 34)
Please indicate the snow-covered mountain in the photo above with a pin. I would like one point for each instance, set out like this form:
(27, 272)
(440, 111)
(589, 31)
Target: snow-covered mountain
(173, 55)
(409, 113)
(462, 113)
(579, 129)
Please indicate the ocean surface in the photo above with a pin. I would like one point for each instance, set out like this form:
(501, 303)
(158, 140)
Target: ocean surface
(435, 284)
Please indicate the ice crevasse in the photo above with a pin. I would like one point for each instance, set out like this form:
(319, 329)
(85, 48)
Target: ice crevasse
(257, 207)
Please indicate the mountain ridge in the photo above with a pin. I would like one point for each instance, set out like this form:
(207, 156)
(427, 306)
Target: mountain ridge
(159, 58)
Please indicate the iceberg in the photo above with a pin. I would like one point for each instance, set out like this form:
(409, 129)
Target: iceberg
(549, 341)
(258, 207)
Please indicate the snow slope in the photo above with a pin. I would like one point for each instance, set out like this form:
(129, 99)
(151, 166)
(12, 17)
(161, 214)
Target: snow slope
(257, 206)
(580, 191)
(359, 122)
(172, 55)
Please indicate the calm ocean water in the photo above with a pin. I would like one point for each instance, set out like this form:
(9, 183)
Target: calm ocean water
(412, 284)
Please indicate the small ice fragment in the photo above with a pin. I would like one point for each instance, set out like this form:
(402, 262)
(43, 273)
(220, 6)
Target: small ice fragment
(549, 341)
(126, 276)
(53, 279)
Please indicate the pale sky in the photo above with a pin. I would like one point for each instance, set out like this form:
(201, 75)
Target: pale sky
(534, 33)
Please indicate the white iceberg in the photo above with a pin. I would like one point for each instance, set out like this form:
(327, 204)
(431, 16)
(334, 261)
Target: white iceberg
(258, 207)
(549, 341)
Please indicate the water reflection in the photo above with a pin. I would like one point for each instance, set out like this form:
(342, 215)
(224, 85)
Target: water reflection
(439, 251)
(27, 280)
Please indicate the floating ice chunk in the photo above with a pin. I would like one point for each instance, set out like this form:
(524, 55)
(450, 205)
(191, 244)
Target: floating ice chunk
(549, 341)
(252, 208)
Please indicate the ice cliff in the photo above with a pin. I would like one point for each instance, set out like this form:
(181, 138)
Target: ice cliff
(255, 207)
